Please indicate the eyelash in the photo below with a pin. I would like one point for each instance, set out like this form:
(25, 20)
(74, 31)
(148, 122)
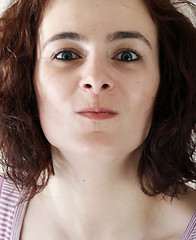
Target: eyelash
(134, 55)
(68, 51)
(137, 55)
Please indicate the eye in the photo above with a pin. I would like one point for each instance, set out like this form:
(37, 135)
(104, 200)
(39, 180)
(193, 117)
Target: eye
(127, 56)
(66, 55)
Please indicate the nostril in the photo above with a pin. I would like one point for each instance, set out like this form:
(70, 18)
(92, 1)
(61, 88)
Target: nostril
(105, 86)
(95, 87)
(88, 86)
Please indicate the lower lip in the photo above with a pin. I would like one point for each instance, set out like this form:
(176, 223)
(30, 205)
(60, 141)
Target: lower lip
(98, 116)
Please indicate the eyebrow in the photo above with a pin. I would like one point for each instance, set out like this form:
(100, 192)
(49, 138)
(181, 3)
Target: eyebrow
(65, 35)
(126, 35)
(111, 37)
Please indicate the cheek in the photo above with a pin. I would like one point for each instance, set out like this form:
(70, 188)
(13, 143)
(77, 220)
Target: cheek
(53, 84)
(140, 92)
(48, 110)
(52, 91)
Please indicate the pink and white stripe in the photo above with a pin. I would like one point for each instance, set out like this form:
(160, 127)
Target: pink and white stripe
(11, 212)
(190, 233)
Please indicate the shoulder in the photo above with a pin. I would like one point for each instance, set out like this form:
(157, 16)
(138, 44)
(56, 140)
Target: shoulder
(188, 201)
(184, 213)
(185, 205)
(177, 217)
(189, 204)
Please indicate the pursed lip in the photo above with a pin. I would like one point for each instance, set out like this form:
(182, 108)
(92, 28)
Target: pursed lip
(97, 113)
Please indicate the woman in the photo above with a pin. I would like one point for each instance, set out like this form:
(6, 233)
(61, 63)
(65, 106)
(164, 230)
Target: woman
(97, 119)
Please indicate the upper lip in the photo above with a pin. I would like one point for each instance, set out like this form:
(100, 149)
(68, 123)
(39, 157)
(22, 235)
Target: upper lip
(97, 110)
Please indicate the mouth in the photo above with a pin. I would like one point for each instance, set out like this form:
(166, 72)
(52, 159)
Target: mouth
(97, 113)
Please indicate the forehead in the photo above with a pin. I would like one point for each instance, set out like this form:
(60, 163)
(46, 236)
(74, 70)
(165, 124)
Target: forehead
(94, 18)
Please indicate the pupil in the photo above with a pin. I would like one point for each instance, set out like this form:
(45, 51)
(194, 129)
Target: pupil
(126, 56)
(67, 56)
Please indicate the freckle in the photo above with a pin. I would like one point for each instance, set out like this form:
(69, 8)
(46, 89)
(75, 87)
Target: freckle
(84, 180)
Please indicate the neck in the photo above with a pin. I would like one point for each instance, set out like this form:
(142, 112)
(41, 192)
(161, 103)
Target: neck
(90, 175)
(94, 192)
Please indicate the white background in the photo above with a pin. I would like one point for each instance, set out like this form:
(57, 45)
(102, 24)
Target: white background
(3, 3)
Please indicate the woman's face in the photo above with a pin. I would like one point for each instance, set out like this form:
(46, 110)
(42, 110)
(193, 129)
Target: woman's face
(96, 75)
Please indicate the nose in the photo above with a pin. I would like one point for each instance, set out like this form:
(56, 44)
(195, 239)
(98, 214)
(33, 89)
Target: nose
(96, 79)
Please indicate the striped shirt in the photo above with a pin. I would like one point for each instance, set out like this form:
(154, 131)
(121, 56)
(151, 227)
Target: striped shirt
(12, 214)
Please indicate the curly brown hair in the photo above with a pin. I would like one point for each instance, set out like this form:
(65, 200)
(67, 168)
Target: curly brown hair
(167, 162)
